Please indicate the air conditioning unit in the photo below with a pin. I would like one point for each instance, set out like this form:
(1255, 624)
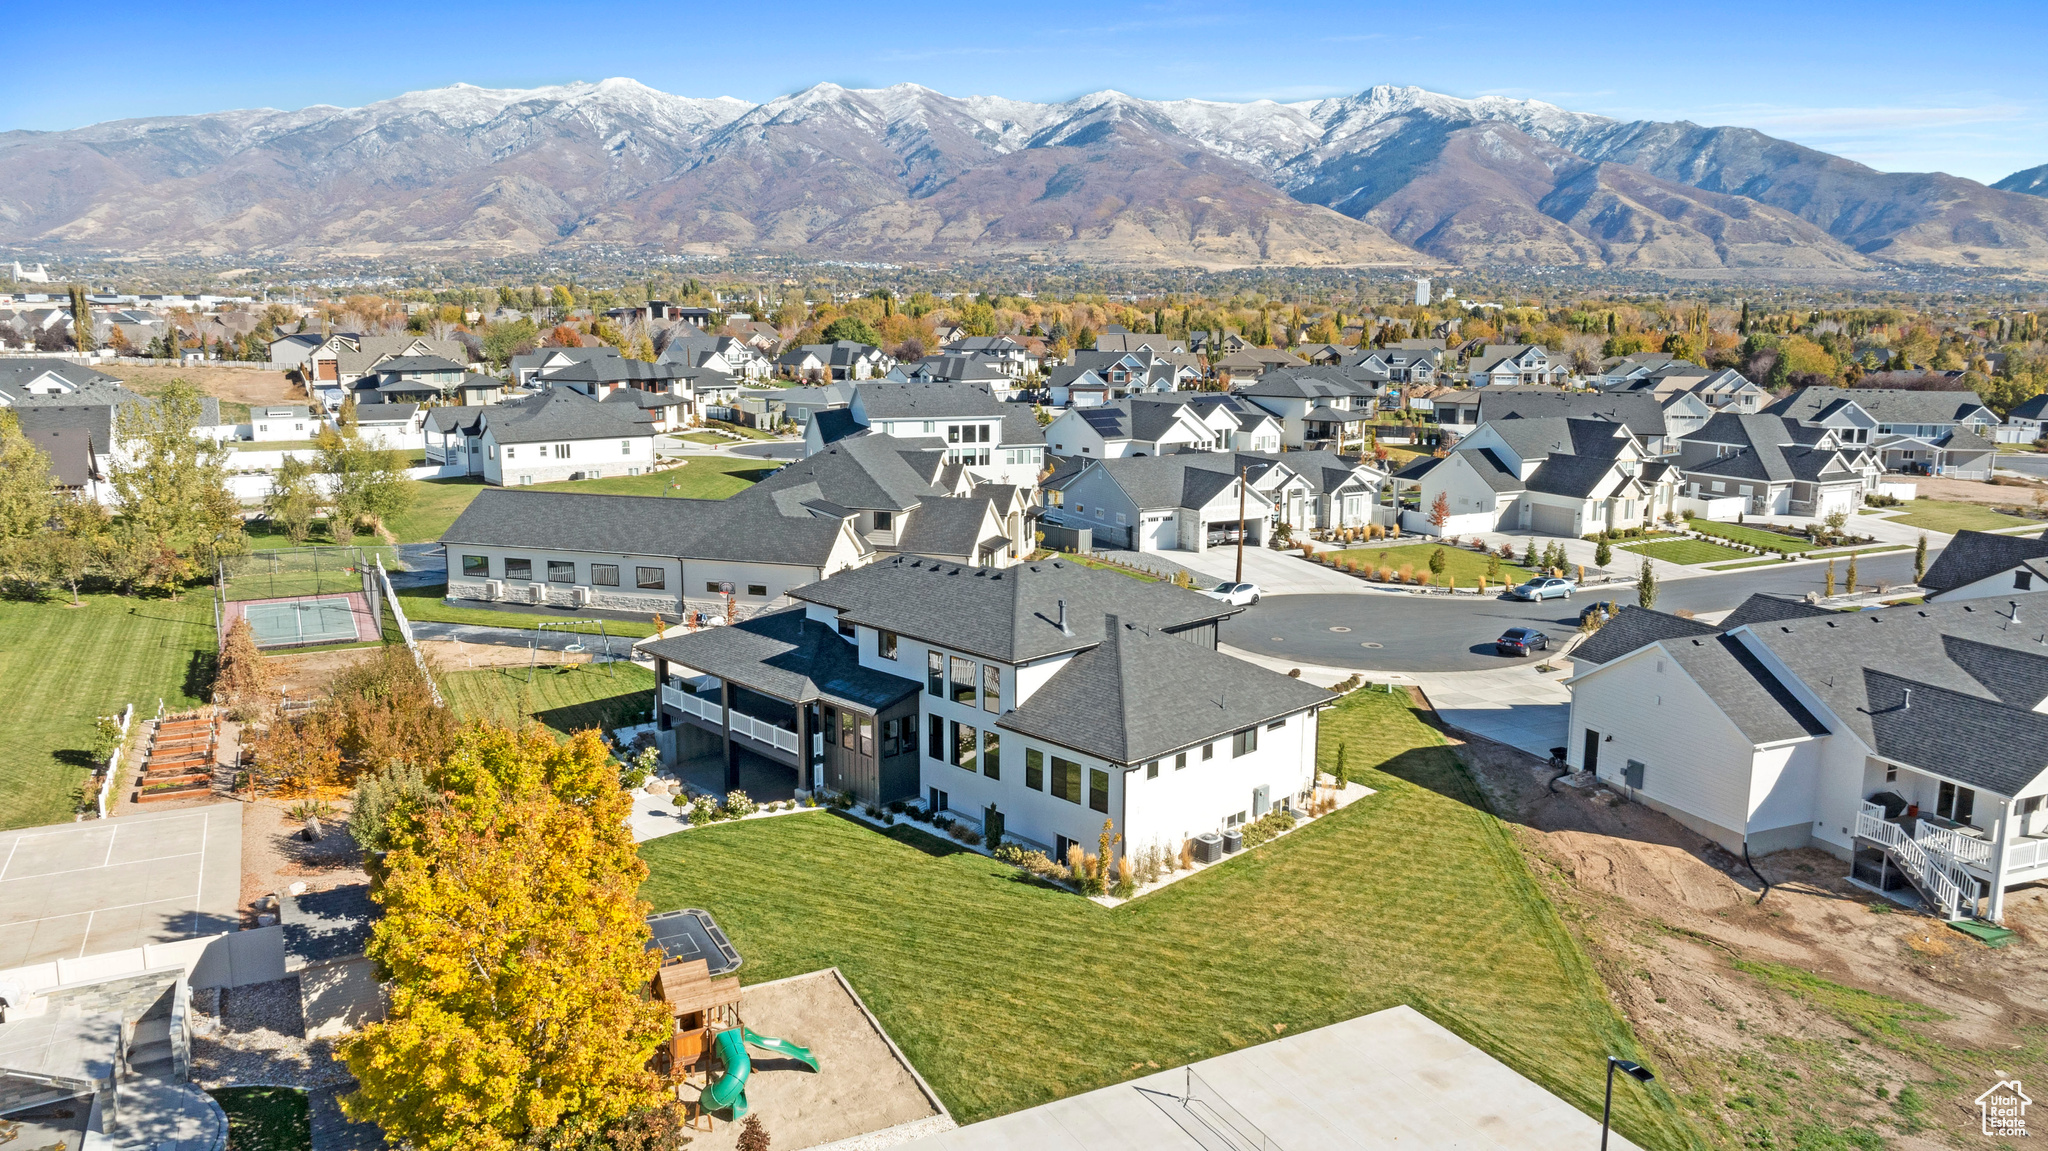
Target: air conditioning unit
(494, 589)
(535, 593)
(581, 596)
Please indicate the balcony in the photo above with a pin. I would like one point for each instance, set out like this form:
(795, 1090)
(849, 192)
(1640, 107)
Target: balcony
(708, 710)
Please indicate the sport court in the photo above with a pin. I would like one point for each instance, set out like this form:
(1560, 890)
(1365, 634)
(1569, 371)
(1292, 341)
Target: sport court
(302, 621)
(114, 884)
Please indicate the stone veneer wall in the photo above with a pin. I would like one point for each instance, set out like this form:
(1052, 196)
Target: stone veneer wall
(615, 599)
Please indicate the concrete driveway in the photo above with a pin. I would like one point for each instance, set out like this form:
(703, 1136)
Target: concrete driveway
(1276, 573)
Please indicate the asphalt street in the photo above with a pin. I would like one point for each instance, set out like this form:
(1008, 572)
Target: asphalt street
(1441, 633)
(776, 451)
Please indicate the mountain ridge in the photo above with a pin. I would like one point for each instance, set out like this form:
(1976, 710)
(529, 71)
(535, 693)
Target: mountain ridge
(1393, 174)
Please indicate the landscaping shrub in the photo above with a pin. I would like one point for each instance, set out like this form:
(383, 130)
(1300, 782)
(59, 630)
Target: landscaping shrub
(1126, 884)
(738, 805)
(703, 809)
(963, 834)
(1267, 826)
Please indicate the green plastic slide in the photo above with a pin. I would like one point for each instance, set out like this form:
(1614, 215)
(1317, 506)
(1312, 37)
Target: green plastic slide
(731, 1089)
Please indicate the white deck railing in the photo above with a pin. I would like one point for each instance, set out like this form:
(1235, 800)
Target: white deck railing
(1930, 876)
(2025, 855)
(1965, 849)
(703, 708)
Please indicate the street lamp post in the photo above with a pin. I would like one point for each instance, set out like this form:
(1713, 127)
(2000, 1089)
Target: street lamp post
(1633, 1070)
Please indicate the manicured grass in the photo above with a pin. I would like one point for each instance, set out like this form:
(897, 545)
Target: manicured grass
(429, 604)
(566, 697)
(1839, 553)
(266, 1118)
(1084, 561)
(1006, 994)
(65, 665)
(1755, 537)
(744, 430)
(704, 438)
(1949, 516)
(276, 445)
(1464, 565)
(1746, 564)
(1684, 551)
(436, 503)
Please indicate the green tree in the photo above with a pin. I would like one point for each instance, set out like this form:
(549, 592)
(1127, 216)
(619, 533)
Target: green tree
(1920, 559)
(504, 338)
(79, 543)
(81, 319)
(172, 484)
(1602, 553)
(293, 500)
(1438, 561)
(28, 503)
(514, 942)
(369, 483)
(853, 328)
(1646, 586)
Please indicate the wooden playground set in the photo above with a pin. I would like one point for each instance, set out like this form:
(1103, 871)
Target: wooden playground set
(708, 1038)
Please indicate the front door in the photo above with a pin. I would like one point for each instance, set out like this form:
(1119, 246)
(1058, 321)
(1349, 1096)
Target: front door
(1591, 760)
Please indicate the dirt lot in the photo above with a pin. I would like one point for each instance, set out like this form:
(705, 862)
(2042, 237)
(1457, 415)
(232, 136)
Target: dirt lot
(2011, 493)
(242, 386)
(1822, 1017)
(276, 854)
(313, 673)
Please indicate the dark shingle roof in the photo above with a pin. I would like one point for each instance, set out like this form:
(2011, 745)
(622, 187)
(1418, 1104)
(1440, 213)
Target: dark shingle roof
(1140, 694)
(1010, 614)
(1633, 627)
(786, 655)
(1640, 413)
(1886, 405)
(1763, 708)
(868, 472)
(1761, 608)
(949, 526)
(746, 527)
(561, 413)
(1973, 555)
(937, 400)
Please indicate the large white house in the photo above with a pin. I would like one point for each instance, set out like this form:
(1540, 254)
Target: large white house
(562, 434)
(1909, 740)
(1050, 696)
(1552, 476)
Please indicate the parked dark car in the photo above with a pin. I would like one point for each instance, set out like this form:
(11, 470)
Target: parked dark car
(1521, 641)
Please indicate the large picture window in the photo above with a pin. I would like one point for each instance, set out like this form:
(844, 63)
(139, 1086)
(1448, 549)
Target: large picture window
(478, 566)
(963, 746)
(604, 575)
(1098, 790)
(518, 569)
(1034, 769)
(561, 571)
(649, 579)
(1066, 779)
(963, 681)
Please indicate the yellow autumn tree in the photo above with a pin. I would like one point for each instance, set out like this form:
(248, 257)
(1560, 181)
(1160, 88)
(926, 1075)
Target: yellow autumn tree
(515, 943)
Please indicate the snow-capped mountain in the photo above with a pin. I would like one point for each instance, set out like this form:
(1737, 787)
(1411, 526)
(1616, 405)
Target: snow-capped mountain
(1392, 174)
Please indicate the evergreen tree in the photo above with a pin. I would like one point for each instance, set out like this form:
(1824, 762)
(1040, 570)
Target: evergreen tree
(1920, 559)
(1646, 586)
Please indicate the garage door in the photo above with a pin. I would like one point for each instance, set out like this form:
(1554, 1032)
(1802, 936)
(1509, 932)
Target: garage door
(1161, 534)
(1555, 521)
(1842, 500)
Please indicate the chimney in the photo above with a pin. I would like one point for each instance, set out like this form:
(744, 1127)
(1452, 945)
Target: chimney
(1064, 629)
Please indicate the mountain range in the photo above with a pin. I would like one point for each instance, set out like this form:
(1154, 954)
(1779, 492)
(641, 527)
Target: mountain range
(1393, 175)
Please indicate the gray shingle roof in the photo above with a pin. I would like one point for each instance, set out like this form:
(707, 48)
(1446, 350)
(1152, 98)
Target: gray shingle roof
(863, 471)
(1141, 694)
(937, 400)
(1187, 480)
(1009, 614)
(562, 413)
(783, 654)
(1761, 608)
(1633, 627)
(746, 528)
(949, 526)
(1640, 413)
(1886, 405)
(1020, 426)
(1973, 555)
(1758, 704)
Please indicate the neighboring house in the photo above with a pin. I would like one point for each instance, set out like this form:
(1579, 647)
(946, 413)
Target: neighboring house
(727, 354)
(423, 379)
(391, 427)
(1313, 405)
(671, 394)
(1863, 415)
(906, 495)
(1640, 414)
(1909, 741)
(454, 435)
(991, 372)
(1777, 466)
(1508, 365)
(1252, 363)
(1134, 427)
(2024, 424)
(1049, 695)
(1959, 453)
(562, 434)
(840, 360)
(1162, 503)
(345, 358)
(286, 422)
(1000, 353)
(800, 404)
(643, 553)
(966, 421)
(42, 377)
(1423, 397)
(1554, 476)
(290, 353)
(93, 411)
(1977, 565)
(75, 464)
(1238, 424)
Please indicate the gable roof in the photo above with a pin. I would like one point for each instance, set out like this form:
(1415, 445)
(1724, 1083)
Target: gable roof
(1140, 694)
(1634, 627)
(1973, 555)
(1886, 405)
(926, 400)
(563, 413)
(1759, 705)
(1761, 608)
(744, 528)
(1639, 413)
(870, 472)
(787, 655)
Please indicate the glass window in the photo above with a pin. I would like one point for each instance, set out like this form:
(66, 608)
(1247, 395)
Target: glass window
(1098, 790)
(935, 674)
(885, 644)
(1208, 751)
(625, 447)
(935, 743)
(561, 571)
(479, 566)
(831, 726)
(890, 743)
(1276, 725)
(991, 687)
(883, 520)
(1034, 769)
(963, 681)
(757, 589)
(867, 736)
(1066, 779)
(952, 433)
(1152, 770)
(847, 722)
(1180, 761)
(1244, 742)
(991, 754)
(518, 569)
(650, 579)
(711, 587)
(847, 629)
(963, 746)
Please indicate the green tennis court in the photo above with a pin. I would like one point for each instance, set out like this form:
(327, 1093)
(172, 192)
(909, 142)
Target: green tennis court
(296, 623)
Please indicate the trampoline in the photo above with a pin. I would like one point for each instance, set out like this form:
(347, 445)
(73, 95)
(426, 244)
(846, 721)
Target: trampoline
(682, 936)
(302, 622)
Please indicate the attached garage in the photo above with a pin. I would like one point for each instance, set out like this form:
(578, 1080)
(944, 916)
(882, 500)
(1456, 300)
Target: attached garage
(1158, 532)
(1840, 499)
(1549, 519)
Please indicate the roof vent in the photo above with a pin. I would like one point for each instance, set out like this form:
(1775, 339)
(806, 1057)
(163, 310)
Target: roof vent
(1908, 700)
(1064, 629)
(2015, 611)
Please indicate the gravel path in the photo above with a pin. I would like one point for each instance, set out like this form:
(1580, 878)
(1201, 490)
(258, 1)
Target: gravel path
(253, 1035)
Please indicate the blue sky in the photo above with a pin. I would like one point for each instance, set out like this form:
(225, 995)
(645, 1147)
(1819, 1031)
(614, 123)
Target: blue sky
(1952, 87)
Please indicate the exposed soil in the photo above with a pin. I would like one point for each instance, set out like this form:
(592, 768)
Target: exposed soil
(1667, 916)
(455, 655)
(276, 854)
(238, 385)
(2010, 493)
(312, 673)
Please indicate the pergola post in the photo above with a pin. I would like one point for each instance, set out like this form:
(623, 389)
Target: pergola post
(2000, 842)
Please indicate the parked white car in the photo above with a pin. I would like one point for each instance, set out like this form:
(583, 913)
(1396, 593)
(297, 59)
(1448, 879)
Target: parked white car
(1235, 594)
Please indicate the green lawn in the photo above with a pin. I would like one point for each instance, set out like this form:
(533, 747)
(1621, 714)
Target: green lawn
(1755, 537)
(566, 697)
(428, 603)
(277, 445)
(1006, 994)
(436, 503)
(266, 1118)
(1949, 517)
(744, 430)
(1747, 564)
(1084, 561)
(1465, 565)
(63, 666)
(704, 438)
(1684, 551)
